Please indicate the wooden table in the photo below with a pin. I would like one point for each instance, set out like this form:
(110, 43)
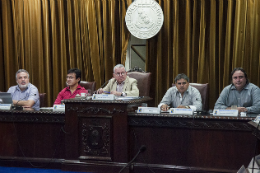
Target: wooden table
(103, 136)
(195, 143)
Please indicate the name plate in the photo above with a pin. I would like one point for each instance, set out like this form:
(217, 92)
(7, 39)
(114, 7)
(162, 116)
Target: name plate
(5, 106)
(181, 111)
(103, 97)
(257, 119)
(225, 112)
(59, 108)
(148, 110)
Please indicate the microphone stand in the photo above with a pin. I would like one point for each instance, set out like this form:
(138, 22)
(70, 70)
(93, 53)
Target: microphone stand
(255, 147)
(96, 92)
(142, 149)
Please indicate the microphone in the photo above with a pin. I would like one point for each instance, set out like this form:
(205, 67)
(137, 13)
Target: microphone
(106, 83)
(142, 149)
(103, 85)
(16, 107)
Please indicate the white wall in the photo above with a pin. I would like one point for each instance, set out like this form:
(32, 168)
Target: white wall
(132, 58)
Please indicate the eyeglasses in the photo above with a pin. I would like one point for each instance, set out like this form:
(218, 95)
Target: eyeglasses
(120, 74)
(183, 83)
(69, 77)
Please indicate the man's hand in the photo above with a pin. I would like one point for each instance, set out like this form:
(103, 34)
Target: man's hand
(241, 109)
(165, 107)
(100, 91)
(116, 93)
(181, 106)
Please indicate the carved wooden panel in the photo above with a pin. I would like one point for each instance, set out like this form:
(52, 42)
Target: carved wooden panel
(95, 110)
(36, 118)
(95, 138)
(188, 123)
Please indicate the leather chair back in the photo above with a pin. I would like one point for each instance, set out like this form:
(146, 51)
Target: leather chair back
(43, 99)
(143, 82)
(204, 92)
(90, 86)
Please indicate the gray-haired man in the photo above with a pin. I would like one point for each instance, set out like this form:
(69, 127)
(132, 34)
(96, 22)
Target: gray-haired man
(120, 84)
(24, 94)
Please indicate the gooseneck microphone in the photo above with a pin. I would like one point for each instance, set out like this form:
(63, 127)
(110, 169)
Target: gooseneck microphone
(96, 92)
(142, 149)
(105, 83)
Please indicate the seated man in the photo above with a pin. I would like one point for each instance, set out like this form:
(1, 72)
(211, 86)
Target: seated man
(241, 94)
(24, 94)
(121, 84)
(73, 88)
(181, 95)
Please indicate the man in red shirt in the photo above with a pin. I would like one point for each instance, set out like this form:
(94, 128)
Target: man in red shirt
(73, 88)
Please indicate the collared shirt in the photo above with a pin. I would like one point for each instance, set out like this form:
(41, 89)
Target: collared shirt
(119, 87)
(129, 88)
(249, 98)
(66, 94)
(30, 93)
(191, 97)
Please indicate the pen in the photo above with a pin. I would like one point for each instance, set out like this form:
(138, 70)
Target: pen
(106, 92)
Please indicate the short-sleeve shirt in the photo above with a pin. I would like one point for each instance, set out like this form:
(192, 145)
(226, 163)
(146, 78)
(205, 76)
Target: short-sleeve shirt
(30, 93)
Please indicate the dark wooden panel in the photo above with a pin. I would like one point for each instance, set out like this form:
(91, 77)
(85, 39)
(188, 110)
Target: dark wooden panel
(32, 137)
(106, 118)
(202, 142)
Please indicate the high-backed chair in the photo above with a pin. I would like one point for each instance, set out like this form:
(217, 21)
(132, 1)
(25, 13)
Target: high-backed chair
(143, 81)
(204, 92)
(90, 86)
(43, 99)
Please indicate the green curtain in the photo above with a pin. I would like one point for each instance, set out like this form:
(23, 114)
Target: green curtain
(205, 39)
(48, 37)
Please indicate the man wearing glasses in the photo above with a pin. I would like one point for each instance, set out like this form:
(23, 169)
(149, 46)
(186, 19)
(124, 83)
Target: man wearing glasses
(182, 95)
(120, 84)
(73, 88)
(240, 94)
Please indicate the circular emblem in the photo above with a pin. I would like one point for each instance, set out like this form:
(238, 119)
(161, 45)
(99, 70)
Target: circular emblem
(144, 18)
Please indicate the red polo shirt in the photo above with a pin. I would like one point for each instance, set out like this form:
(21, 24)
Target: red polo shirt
(66, 94)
